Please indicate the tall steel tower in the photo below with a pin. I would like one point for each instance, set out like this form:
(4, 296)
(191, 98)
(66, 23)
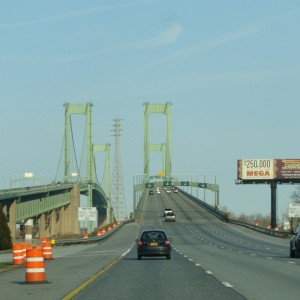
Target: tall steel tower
(117, 187)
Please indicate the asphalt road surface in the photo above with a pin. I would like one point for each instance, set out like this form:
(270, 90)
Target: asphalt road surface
(210, 260)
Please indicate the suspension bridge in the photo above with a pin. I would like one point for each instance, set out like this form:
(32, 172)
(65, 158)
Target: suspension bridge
(51, 209)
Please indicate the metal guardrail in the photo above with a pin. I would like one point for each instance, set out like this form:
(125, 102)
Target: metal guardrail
(224, 217)
(90, 240)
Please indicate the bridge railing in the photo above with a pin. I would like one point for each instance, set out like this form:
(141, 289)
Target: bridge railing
(224, 217)
(90, 240)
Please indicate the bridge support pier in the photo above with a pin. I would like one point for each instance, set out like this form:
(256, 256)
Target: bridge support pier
(68, 215)
(10, 212)
(44, 225)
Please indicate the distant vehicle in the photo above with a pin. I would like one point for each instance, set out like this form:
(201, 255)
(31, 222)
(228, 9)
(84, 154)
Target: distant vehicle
(167, 210)
(168, 191)
(153, 242)
(295, 244)
(170, 217)
(151, 192)
(175, 190)
(157, 191)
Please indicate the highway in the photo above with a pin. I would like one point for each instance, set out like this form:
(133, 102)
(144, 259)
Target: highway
(210, 260)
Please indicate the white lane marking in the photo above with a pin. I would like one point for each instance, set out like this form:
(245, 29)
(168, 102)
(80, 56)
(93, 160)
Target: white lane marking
(209, 272)
(269, 258)
(227, 284)
(190, 259)
(291, 262)
(126, 252)
(197, 265)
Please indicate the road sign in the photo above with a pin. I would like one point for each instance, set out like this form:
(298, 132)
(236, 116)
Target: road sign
(294, 210)
(149, 185)
(167, 183)
(87, 214)
(185, 183)
(202, 185)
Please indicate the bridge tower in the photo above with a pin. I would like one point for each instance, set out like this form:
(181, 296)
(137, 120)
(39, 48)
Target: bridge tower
(84, 109)
(107, 189)
(166, 148)
(162, 149)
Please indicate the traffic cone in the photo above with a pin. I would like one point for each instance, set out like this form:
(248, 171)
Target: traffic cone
(47, 251)
(18, 258)
(35, 266)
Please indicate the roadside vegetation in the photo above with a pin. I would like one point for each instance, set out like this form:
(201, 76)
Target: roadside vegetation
(5, 234)
(265, 220)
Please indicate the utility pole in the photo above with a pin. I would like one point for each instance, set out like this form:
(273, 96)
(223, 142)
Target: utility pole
(117, 192)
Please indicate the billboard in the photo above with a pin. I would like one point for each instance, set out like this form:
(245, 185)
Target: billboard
(268, 169)
(253, 169)
(288, 168)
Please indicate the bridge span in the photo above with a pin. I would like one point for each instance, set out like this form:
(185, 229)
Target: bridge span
(53, 208)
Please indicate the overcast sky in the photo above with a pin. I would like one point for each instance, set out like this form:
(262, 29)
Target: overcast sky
(230, 68)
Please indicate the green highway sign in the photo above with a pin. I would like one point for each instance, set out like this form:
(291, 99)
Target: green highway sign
(185, 183)
(167, 183)
(149, 185)
(202, 185)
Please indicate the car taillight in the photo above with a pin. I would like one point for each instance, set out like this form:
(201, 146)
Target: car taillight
(167, 243)
(140, 243)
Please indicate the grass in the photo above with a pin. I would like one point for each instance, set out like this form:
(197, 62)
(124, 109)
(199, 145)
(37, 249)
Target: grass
(7, 266)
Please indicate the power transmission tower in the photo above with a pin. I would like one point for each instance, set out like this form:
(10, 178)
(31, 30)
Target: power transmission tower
(117, 192)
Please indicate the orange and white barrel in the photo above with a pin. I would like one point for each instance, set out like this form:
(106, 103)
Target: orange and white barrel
(18, 258)
(35, 266)
(43, 240)
(47, 250)
(99, 233)
(25, 247)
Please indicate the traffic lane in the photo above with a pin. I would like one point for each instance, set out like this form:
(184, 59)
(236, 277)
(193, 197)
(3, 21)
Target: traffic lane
(70, 269)
(228, 236)
(252, 276)
(156, 278)
(151, 214)
(222, 235)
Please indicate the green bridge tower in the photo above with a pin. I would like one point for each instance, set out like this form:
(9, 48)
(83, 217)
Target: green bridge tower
(164, 109)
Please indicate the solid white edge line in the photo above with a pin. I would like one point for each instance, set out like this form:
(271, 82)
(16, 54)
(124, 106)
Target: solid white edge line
(227, 284)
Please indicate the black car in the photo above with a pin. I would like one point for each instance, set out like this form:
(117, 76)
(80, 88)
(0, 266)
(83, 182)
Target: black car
(295, 244)
(151, 193)
(153, 242)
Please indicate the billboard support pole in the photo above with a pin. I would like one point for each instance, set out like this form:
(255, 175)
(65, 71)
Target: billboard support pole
(273, 186)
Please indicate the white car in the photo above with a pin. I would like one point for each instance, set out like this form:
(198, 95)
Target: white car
(168, 191)
(167, 210)
(170, 217)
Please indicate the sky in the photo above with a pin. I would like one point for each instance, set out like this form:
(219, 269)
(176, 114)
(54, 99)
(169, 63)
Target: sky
(230, 68)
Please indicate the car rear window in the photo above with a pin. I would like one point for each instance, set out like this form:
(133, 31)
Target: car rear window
(154, 236)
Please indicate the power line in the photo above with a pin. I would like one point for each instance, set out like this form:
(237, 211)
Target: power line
(117, 194)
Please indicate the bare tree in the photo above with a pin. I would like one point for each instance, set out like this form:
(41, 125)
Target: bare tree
(296, 199)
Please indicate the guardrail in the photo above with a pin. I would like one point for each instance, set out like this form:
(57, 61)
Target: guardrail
(224, 217)
(90, 240)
